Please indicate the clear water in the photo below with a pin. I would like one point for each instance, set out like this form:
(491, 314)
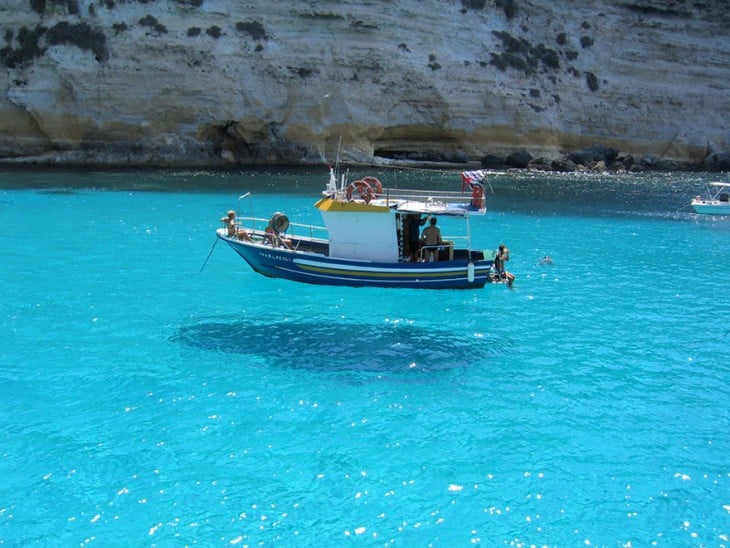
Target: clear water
(144, 402)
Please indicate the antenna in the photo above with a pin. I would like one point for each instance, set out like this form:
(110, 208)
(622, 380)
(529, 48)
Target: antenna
(337, 157)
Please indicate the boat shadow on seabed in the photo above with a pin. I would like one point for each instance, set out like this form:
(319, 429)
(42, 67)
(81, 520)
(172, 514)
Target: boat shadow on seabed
(346, 346)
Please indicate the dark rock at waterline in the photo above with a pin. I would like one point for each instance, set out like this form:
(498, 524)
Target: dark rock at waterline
(540, 164)
(564, 164)
(718, 161)
(593, 153)
(492, 161)
(519, 159)
(628, 162)
(456, 157)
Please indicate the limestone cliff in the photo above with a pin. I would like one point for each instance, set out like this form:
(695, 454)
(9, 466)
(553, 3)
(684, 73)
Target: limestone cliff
(215, 82)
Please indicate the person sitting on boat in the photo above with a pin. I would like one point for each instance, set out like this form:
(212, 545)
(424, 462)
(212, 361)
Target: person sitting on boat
(273, 237)
(499, 260)
(232, 226)
(431, 240)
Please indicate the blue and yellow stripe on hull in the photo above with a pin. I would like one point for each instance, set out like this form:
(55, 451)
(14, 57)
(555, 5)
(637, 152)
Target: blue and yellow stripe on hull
(315, 269)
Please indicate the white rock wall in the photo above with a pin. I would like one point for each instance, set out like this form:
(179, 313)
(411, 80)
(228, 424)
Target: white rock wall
(381, 76)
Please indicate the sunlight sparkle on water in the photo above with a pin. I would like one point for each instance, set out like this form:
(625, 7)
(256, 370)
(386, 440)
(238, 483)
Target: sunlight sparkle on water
(158, 395)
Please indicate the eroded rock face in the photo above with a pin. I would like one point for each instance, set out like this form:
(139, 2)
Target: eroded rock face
(203, 82)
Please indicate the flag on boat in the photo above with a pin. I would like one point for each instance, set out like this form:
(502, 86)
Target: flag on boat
(471, 178)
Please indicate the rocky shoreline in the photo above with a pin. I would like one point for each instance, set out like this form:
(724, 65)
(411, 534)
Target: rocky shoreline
(594, 158)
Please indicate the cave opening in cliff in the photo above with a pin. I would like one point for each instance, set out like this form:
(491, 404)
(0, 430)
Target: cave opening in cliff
(422, 155)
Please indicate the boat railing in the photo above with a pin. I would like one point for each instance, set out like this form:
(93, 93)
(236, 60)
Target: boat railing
(295, 230)
(309, 231)
(459, 241)
(444, 196)
(400, 195)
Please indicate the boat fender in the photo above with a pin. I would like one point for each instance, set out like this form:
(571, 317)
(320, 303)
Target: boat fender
(375, 184)
(470, 272)
(363, 188)
(279, 222)
(477, 196)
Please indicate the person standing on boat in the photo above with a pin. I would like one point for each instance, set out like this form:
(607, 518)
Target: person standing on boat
(413, 229)
(499, 260)
(431, 240)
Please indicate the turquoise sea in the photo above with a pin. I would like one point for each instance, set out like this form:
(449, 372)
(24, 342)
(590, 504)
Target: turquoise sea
(151, 397)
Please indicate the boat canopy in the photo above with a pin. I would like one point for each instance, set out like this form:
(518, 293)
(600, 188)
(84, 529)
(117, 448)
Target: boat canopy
(453, 209)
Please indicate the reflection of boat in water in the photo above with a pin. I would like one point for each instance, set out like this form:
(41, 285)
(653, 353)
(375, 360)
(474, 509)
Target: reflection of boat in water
(717, 201)
(365, 241)
(307, 343)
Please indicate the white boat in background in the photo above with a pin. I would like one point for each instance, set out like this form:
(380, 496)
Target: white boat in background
(717, 201)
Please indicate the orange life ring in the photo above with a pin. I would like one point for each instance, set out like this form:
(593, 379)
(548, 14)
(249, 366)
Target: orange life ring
(364, 190)
(376, 185)
(477, 196)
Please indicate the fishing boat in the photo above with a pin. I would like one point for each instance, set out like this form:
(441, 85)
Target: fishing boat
(364, 240)
(717, 201)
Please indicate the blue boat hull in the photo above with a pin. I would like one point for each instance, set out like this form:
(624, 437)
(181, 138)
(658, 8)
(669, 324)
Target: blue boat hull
(315, 268)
